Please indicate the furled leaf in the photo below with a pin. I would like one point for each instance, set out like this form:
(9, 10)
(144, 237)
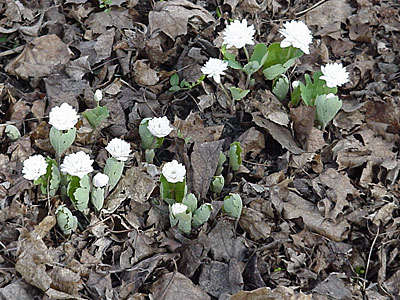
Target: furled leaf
(147, 139)
(202, 215)
(233, 205)
(217, 184)
(313, 88)
(231, 58)
(96, 115)
(97, 198)
(235, 159)
(65, 220)
(190, 201)
(281, 88)
(326, 109)
(113, 169)
(184, 221)
(61, 141)
(12, 132)
(165, 191)
(78, 192)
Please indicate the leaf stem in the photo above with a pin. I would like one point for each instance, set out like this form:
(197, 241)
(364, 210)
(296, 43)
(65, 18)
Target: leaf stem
(227, 95)
(247, 53)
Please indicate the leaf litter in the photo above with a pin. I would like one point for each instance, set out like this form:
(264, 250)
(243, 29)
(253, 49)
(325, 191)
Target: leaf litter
(320, 217)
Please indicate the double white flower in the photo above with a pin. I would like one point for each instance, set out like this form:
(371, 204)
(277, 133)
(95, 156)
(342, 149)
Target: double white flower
(77, 164)
(63, 117)
(34, 167)
(296, 34)
(174, 172)
(238, 35)
(159, 127)
(334, 74)
(119, 149)
(214, 68)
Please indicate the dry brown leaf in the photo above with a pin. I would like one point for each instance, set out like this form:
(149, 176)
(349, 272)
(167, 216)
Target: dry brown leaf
(144, 75)
(252, 141)
(78, 68)
(279, 133)
(38, 59)
(303, 122)
(172, 17)
(330, 12)
(253, 222)
(204, 162)
(265, 293)
(193, 127)
(174, 286)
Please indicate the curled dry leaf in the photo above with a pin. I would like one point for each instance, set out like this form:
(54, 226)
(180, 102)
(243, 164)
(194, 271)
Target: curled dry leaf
(144, 75)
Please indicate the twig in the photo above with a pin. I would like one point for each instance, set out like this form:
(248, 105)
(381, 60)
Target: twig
(170, 282)
(369, 258)
(12, 51)
(310, 8)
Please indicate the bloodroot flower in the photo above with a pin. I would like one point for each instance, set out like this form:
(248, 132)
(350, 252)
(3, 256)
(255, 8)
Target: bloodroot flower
(34, 167)
(334, 75)
(178, 208)
(238, 35)
(159, 127)
(100, 180)
(174, 172)
(215, 68)
(77, 164)
(296, 34)
(98, 95)
(119, 149)
(63, 117)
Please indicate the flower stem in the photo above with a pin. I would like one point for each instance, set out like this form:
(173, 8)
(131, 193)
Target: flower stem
(227, 95)
(247, 53)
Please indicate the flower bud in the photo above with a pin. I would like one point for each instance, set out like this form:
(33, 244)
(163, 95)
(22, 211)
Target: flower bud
(217, 184)
(98, 95)
(100, 180)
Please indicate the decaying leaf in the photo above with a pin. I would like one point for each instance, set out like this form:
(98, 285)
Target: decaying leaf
(38, 59)
(279, 293)
(172, 17)
(144, 75)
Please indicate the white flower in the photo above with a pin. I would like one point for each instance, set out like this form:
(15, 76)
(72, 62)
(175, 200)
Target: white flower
(159, 127)
(119, 149)
(174, 172)
(334, 75)
(77, 164)
(238, 35)
(178, 208)
(34, 167)
(100, 180)
(295, 84)
(296, 34)
(63, 117)
(98, 95)
(215, 68)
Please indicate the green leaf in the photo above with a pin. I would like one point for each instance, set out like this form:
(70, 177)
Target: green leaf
(326, 109)
(174, 79)
(190, 201)
(295, 96)
(281, 88)
(237, 93)
(166, 191)
(233, 205)
(55, 177)
(184, 221)
(231, 58)
(96, 115)
(174, 88)
(274, 71)
(80, 198)
(12, 132)
(251, 67)
(180, 190)
(313, 88)
(278, 55)
(260, 54)
(97, 198)
(235, 159)
(65, 220)
(217, 184)
(113, 169)
(202, 215)
(61, 141)
(221, 161)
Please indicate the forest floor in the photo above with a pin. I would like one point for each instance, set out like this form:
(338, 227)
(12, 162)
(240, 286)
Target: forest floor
(321, 216)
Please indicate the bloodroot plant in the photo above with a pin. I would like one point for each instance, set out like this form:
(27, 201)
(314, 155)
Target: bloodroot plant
(273, 62)
(71, 178)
